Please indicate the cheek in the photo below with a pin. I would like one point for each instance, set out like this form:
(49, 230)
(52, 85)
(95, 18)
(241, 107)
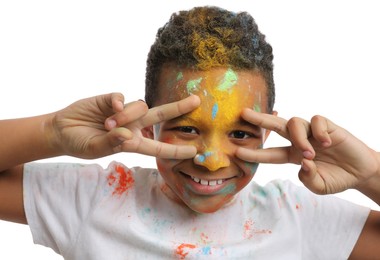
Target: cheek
(165, 166)
(251, 168)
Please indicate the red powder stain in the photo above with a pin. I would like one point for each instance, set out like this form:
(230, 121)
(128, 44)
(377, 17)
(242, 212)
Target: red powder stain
(181, 250)
(205, 239)
(249, 230)
(168, 140)
(122, 179)
(248, 225)
(298, 206)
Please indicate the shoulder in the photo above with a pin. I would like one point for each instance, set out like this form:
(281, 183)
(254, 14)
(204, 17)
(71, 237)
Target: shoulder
(122, 178)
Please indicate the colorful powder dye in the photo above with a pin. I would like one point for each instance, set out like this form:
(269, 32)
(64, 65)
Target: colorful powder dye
(248, 229)
(214, 111)
(182, 250)
(257, 108)
(202, 157)
(229, 80)
(121, 180)
(193, 85)
(179, 76)
(253, 167)
(228, 189)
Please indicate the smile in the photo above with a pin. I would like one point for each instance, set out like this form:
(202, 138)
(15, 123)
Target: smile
(206, 182)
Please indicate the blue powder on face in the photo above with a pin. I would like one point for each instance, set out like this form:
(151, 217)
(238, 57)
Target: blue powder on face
(229, 189)
(215, 109)
(253, 167)
(202, 157)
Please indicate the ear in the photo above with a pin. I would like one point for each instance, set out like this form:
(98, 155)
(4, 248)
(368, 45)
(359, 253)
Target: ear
(148, 132)
(267, 132)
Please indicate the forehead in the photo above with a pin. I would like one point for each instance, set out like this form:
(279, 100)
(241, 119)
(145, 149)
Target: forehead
(221, 84)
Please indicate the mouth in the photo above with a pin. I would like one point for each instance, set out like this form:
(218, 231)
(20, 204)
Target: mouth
(206, 186)
(208, 182)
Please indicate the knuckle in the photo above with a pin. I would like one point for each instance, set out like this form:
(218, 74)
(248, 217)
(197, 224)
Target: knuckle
(158, 149)
(160, 115)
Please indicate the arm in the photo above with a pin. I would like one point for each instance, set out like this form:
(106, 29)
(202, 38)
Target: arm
(22, 140)
(332, 160)
(89, 128)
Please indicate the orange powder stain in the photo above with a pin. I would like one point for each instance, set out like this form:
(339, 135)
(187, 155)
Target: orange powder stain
(249, 230)
(248, 226)
(181, 250)
(121, 179)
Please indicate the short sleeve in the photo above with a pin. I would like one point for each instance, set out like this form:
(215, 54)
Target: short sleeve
(57, 199)
(330, 226)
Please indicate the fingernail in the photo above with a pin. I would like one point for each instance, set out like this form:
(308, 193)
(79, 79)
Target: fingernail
(307, 154)
(111, 123)
(325, 144)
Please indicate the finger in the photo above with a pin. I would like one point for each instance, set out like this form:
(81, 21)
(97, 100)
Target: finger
(117, 100)
(320, 129)
(299, 132)
(267, 121)
(118, 135)
(158, 149)
(103, 145)
(131, 112)
(309, 176)
(276, 155)
(114, 139)
(171, 110)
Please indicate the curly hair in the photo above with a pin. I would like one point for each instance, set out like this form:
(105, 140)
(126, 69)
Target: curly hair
(207, 37)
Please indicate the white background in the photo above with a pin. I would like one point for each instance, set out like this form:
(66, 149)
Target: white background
(53, 53)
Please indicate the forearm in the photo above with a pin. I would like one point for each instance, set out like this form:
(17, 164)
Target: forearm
(24, 140)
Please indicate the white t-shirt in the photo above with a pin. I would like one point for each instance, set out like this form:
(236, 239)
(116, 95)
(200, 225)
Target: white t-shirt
(87, 212)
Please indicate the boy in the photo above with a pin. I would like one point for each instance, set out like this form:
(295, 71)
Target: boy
(209, 73)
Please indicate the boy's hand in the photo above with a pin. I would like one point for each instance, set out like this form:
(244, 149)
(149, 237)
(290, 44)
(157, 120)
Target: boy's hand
(332, 159)
(102, 125)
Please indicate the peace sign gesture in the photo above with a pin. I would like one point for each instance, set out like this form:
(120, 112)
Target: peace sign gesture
(103, 125)
(332, 159)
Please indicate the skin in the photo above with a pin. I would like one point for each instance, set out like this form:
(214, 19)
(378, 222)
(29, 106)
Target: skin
(215, 128)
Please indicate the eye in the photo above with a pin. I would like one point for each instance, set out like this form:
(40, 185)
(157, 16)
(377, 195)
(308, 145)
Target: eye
(187, 129)
(241, 134)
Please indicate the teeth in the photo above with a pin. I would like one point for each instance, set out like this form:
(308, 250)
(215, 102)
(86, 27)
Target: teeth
(212, 183)
(206, 182)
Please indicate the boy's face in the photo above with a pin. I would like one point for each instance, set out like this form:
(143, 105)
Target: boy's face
(211, 179)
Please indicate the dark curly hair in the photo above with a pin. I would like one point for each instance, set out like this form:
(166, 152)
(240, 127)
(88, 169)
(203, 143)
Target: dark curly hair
(207, 37)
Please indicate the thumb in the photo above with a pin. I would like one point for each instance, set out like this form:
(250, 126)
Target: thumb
(309, 176)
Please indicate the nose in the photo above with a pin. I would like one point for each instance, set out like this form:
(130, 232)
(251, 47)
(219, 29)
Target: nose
(212, 160)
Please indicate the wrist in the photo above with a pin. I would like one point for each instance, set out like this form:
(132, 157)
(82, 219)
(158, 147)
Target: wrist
(371, 186)
(52, 139)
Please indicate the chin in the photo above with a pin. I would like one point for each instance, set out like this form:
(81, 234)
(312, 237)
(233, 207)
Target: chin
(205, 208)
